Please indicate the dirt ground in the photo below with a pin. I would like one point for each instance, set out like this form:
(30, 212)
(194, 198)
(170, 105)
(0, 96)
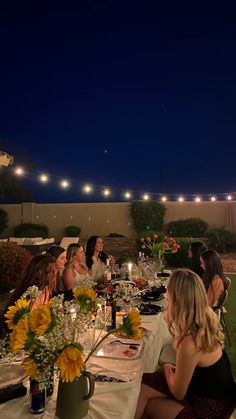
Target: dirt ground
(229, 262)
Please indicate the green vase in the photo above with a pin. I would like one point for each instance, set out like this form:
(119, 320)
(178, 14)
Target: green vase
(73, 398)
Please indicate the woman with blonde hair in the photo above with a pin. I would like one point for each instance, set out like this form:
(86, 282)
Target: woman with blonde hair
(201, 385)
(75, 268)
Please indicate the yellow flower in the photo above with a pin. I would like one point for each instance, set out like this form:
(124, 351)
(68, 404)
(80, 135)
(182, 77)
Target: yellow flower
(131, 326)
(70, 363)
(30, 367)
(87, 292)
(40, 319)
(86, 299)
(14, 313)
(20, 335)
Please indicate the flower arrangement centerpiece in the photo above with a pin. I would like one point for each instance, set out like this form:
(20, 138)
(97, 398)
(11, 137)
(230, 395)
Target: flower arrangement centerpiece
(49, 333)
(124, 292)
(159, 247)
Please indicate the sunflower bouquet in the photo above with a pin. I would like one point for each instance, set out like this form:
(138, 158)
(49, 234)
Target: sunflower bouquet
(49, 334)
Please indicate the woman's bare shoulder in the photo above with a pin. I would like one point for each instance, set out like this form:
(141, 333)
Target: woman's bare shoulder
(187, 344)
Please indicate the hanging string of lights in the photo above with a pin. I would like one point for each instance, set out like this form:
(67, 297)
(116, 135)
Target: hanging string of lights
(106, 192)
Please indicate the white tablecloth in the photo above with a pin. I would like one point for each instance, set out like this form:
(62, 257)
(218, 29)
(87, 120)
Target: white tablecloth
(110, 400)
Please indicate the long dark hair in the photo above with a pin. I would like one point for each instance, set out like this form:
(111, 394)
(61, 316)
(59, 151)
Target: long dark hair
(197, 248)
(90, 248)
(55, 251)
(35, 273)
(213, 267)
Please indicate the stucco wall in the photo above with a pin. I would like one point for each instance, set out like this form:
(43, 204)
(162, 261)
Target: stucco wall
(105, 218)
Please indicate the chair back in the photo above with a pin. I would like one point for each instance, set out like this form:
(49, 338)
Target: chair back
(221, 301)
(228, 282)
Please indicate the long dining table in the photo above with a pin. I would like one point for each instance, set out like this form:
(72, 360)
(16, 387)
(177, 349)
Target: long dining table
(110, 399)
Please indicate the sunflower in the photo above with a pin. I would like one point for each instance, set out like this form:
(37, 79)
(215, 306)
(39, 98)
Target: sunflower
(87, 292)
(15, 313)
(20, 336)
(131, 325)
(40, 319)
(70, 363)
(30, 367)
(86, 298)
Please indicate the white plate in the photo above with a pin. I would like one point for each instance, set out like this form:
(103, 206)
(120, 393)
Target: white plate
(11, 374)
(119, 348)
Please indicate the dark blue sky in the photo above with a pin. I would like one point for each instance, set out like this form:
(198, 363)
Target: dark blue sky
(152, 82)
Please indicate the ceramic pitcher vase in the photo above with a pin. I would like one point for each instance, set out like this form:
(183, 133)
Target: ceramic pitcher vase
(73, 398)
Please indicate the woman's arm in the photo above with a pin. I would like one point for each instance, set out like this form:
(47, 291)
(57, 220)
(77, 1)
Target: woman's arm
(214, 291)
(68, 279)
(186, 360)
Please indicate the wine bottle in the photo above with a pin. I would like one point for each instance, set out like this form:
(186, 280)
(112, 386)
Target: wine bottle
(108, 270)
(110, 313)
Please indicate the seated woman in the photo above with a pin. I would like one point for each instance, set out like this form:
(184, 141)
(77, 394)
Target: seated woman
(213, 276)
(96, 258)
(194, 253)
(41, 272)
(59, 253)
(201, 385)
(75, 268)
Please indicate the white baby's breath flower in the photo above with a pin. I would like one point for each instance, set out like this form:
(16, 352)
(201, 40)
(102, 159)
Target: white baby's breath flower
(32, 293)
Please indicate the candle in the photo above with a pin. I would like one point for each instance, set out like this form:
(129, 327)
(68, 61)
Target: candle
(130, 270)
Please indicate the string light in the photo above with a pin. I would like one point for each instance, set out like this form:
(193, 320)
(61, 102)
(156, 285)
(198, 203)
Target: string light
(19, 171)
(64, 184)
(106, 192)
(127, 195)
(87, 188)
(43, 178)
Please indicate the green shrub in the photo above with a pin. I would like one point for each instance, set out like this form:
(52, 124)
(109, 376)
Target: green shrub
(13, 259)
(221, 240)
(72, 231)
(31, 230)
(115, 235)
(179, 259)
(3, 220)
(147, 216)
(188, 227)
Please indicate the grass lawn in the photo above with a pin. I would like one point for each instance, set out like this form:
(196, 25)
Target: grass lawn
(230, 318)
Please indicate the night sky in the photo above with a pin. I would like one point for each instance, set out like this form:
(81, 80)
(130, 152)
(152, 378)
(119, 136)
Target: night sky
(137, 95)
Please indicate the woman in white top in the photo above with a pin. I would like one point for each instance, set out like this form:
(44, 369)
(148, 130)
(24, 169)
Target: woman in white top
(75, 268)
(96, 258)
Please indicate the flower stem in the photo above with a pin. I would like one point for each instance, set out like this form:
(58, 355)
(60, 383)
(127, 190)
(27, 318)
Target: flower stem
(98, 343)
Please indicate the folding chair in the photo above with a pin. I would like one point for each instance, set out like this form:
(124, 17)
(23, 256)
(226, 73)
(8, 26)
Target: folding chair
(220, 310)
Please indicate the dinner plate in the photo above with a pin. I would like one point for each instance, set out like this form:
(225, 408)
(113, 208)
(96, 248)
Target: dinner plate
(150, 309)
(119, 348)
(150, 296)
